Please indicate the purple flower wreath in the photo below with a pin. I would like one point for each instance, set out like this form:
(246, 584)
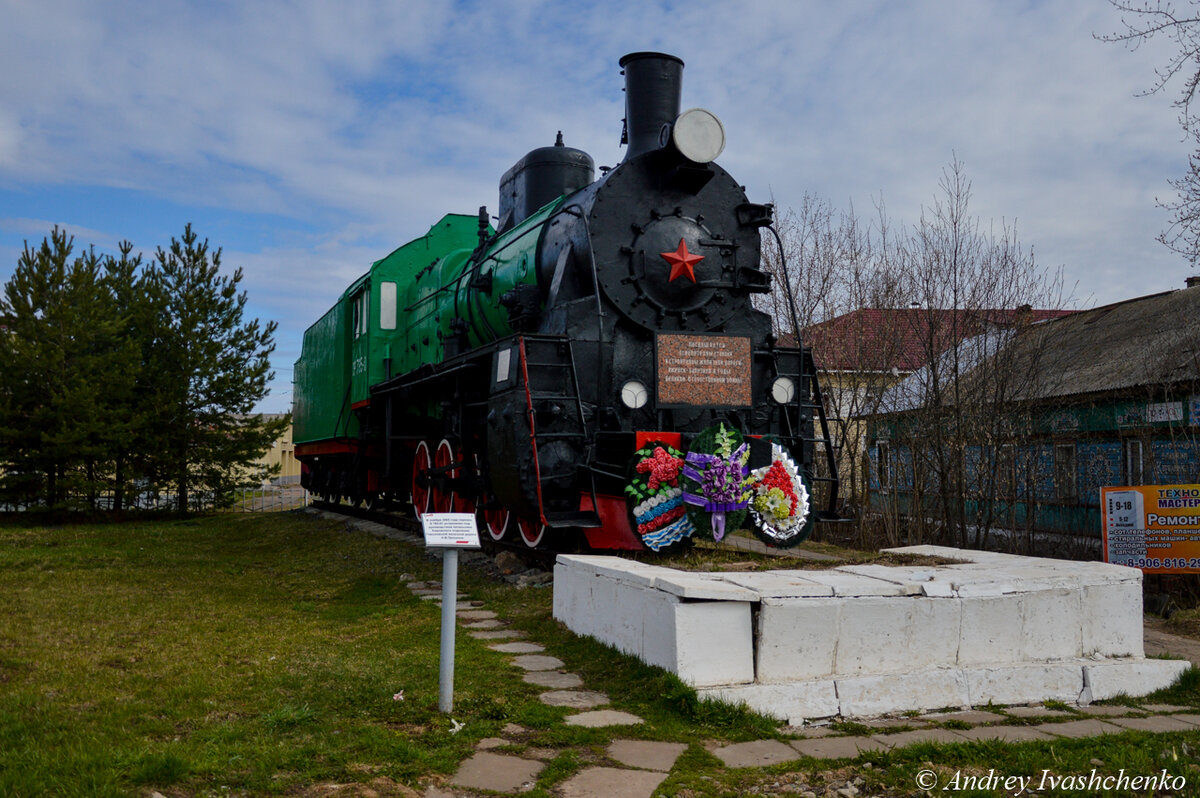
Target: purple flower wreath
(719, 477)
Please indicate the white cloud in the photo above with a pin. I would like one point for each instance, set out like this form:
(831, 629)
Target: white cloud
(360, 124)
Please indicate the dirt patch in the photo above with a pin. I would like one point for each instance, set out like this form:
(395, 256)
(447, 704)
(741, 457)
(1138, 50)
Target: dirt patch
(1176, 639)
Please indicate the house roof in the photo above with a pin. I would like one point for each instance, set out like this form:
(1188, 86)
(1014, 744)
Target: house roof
(904, 339)
(1139, 343)
(1146, 341)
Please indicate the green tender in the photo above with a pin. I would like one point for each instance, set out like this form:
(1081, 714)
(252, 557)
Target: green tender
(395, 318)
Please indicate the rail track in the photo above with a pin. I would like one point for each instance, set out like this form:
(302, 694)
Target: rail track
(542, 559)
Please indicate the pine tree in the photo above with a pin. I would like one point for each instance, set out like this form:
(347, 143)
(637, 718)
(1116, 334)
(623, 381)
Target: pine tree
(60, 362)
(206, 367)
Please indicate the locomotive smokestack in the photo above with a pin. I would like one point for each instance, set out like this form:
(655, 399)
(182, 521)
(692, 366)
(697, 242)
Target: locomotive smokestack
(652, 88)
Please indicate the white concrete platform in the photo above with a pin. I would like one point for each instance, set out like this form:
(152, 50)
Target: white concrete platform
(866, 640)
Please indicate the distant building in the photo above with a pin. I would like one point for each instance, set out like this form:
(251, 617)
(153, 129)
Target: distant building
(1106, 397)
(862, 353)
(283, 454)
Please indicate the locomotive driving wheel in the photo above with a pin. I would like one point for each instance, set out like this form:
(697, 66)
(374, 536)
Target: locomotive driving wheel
(532, 531)
(420, 480)
(444, 499)
(496, 519)
(465, 498)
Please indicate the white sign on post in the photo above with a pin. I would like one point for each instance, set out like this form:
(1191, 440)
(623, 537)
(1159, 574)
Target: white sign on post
(450, 531)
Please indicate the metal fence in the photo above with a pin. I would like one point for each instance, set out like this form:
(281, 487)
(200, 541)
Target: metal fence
(262, 499)
(270, 499)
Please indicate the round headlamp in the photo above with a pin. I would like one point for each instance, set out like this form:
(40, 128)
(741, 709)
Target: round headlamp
(634, 395)
(698, 135)
(783, 390)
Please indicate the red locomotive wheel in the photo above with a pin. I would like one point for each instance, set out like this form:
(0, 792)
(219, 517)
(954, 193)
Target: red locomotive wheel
(496, 520)
(443, 501)
(532, 532)
(465, 502)
(420, 485)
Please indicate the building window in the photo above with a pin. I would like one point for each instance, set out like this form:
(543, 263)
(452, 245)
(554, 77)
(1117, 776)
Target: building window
(883, 459)
(1065, 484)
(1006, 472)
(1134, 462)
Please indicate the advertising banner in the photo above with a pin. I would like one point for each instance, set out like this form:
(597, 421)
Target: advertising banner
(1153, 527)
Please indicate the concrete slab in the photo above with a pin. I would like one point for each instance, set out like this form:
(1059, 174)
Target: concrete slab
(1050, 681)
(490, 623)
(975, 717)
(921, 690)
(1036, 712)
(864, 640)
(537, 662)
(714, 642)
(496, 634)
(476, 615)
(1160, 708)
(796, 640)
(645, 754)
(497, 772)
(813, 732)
(1008, 734)
(576, 699)
(893, 723)
(1131, 677)
(837, 747)
(780, 584)
(1108, 711)
(555, 679)
(793, 702)
(518, 648)
(1073, 729)
(602, 717)
(902, 739)
(1154, 723)
(694, 586)
(755, 754)
(855, 585)
(600, 782)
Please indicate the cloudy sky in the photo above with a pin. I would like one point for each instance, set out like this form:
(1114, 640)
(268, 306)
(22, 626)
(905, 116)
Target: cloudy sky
(309, 138)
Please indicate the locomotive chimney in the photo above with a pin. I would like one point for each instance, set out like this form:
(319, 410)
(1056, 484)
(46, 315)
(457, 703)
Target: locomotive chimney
(652, 89)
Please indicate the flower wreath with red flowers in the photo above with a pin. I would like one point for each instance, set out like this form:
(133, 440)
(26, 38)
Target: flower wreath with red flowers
(779, 500)
(657, 497)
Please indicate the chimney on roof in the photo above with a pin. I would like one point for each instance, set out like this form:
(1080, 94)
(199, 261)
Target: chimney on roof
(1192, 282)
(1024, 314)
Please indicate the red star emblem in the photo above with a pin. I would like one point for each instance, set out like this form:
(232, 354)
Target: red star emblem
(682, 261)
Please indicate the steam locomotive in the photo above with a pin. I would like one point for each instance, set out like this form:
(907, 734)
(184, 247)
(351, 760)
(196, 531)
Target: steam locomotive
(529, 371)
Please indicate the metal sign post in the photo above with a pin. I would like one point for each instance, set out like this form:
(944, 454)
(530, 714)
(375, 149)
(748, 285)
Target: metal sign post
(449, 532)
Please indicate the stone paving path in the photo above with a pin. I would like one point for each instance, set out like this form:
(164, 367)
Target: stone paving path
(638, 767)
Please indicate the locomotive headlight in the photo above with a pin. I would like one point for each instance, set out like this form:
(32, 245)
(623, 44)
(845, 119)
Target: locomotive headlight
(634, 395)
(698, 135)
(783, 390)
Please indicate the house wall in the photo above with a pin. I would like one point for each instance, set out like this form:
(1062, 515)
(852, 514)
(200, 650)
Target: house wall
(1050, 480)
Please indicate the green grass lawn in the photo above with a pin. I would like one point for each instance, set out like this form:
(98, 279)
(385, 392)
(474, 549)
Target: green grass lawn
(253, 653)
(260, 654)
